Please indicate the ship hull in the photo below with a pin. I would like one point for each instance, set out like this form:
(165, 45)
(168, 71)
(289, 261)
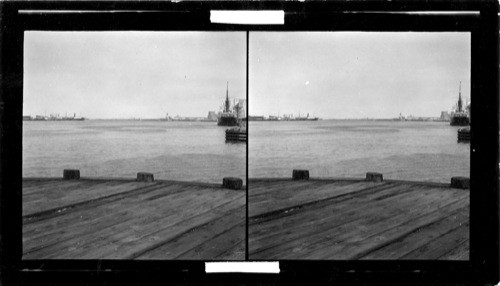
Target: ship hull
(227, 121)
(459, 121)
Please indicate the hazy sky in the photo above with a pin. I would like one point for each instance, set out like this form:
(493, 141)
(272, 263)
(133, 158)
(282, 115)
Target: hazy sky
(132, 74)
(357, 75)
(330, 75)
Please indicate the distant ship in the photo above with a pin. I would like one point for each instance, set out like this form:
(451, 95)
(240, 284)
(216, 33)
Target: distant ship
(228, 117)
(283, 118)
(301, 118)
(459, 116)
(256, 118)
(306, 118)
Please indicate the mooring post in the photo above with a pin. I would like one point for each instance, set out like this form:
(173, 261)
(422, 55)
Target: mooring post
(300, 175)
(374, 177)
(232, 183)
(71, 174)
(460, 182)
(145, 177)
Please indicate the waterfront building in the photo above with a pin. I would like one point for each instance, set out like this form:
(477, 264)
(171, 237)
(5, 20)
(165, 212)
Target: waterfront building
(212, 116)
(445, 116)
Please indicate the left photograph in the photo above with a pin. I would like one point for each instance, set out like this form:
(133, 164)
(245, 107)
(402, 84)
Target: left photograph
(134, 145)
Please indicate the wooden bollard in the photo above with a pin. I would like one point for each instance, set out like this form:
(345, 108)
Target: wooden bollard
(69, 174)
(232, 183)
(374, 177)
(460, 182)
(300, 175)
(145, 177)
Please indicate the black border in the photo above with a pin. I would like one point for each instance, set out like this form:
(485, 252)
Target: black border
(478, 17)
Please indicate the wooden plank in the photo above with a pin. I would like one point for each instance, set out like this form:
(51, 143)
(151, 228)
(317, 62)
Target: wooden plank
(105, 230)
(316, 219)
(461, 252)
(326, 213)
(347, 241)
(336, 212)
(422, 237)
(354, 238)
(102, 225)
(317, 236)
(123, 243)
(95, 217)
(342, 200)
(206, 241)
(233, 241)
(440, 246)
(81, 214)
(48, 184)
(36, 185)
(317, 244)
(356, 249)
(64, 196)
(302, 193)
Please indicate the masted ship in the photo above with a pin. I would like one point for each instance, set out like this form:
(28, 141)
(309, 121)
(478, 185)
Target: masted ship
(459, 116)
(229, 116)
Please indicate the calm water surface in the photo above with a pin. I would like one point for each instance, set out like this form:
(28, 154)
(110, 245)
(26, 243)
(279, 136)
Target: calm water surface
(423, 151)
(188, 151)
(195, 151)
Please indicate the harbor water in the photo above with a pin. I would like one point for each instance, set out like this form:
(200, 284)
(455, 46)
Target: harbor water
(186, 151)
(196, 151)
(402, 150)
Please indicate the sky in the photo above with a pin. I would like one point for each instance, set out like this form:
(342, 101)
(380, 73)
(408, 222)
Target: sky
(326, 74)
(357, 74)
(132, 74)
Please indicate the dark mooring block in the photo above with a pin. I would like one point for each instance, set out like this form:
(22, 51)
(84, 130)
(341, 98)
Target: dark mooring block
(145, 177)
(232, 183)
(374, 177)
(460, 182)
(300, 175)
(71, 174)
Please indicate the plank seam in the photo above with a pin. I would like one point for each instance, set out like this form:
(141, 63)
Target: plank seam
(62, 210)
(342, 197)
(405, 234)
(161, 243)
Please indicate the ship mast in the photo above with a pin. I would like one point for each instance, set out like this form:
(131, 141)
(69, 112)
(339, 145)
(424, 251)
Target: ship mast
(460, 98)
(227, 98)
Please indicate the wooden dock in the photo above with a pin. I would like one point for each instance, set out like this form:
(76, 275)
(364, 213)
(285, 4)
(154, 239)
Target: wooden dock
(236, 135)
(463, 134)
(356, 219)
(126, 219)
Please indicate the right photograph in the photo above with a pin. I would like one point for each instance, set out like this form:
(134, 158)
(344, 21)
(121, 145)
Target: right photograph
(359, 145)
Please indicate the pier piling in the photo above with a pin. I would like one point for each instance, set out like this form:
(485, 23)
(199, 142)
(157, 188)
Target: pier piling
(463, 134)
(300, 175)
(71, 174)
(232, 183)
(460, 182)
(374, 177)
(236, 135)
(145, 177)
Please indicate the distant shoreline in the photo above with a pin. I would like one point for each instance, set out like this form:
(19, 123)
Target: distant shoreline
(419, 119)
